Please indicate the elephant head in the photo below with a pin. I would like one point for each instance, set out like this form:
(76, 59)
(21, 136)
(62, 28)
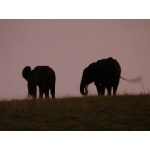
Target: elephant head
(87, 78)
(30, 77)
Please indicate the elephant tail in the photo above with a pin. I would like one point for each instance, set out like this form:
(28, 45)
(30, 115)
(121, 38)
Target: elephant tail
(134, 80)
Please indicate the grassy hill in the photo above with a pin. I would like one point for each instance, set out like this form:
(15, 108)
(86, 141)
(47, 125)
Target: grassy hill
(129, 113)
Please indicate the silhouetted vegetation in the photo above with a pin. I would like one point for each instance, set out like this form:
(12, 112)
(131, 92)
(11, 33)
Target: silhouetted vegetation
(77, 114)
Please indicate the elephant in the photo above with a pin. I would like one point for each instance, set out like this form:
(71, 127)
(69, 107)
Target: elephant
(41, 76)
(105, 74)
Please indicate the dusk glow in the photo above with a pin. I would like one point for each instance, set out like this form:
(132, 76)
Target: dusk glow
(68, 46)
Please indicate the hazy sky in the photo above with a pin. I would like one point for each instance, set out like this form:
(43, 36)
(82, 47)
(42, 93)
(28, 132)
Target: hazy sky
(68, 46)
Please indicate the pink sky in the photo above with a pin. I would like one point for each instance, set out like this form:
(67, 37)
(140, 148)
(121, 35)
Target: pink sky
(68, 46)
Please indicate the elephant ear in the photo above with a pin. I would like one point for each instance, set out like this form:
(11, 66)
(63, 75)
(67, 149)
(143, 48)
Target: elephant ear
(26, 72)
(91, 68)
(90, 72)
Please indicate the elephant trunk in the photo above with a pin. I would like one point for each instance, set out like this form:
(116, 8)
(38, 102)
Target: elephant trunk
(83, 89)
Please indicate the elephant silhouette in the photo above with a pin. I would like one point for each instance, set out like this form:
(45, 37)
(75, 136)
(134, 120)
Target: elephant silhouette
(105, 73)
(41, 76)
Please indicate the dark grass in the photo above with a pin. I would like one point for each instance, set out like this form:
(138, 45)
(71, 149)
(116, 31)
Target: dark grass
(120, 113)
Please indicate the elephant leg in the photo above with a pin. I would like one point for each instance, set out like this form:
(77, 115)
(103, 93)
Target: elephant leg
(102, 90)
(34, 93)
(115, 90)
(53, 92)
(98, 87)
(41, 93)
(47, 94)
(109, 90)
(115, 87)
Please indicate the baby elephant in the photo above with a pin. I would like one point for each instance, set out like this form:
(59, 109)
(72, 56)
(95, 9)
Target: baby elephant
(41, 76)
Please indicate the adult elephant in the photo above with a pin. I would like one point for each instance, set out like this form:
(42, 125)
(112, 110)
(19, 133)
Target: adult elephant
(41, 76)
(104, 73)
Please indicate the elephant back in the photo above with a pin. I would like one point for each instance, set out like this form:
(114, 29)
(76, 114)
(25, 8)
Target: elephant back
(106, 70)
(45, 72)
